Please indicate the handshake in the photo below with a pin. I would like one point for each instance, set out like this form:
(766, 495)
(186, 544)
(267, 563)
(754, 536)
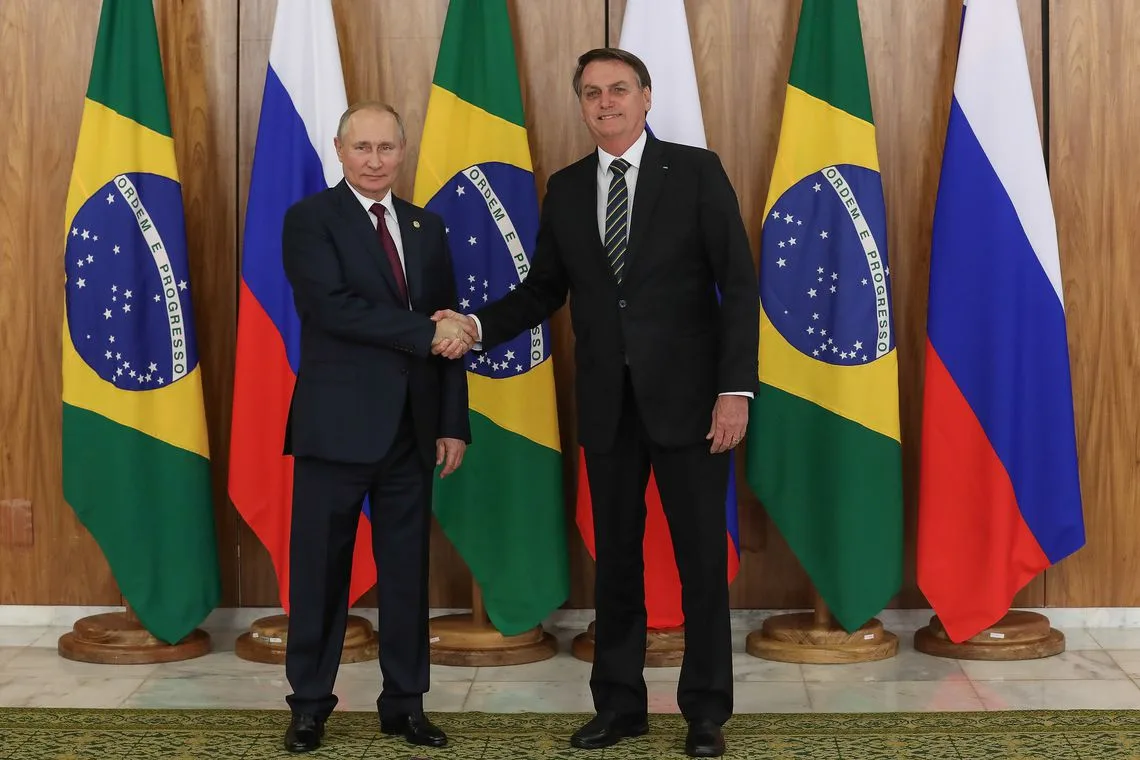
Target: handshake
(455, 334)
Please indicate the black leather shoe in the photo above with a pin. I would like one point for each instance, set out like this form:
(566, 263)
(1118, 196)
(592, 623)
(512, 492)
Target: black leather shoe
(304, 733)
(417, 729)
(705, 739)
(607, 729)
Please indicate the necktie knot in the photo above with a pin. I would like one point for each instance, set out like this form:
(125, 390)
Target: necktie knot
(618, 167)
(379, 209)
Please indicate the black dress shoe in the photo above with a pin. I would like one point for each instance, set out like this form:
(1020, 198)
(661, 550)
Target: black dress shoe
(705, 739)
(304, 733)
(607, 729)
(417, 729)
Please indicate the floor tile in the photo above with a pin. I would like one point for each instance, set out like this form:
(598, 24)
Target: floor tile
(745, 667)
(771, 696)
(907, 665)
(246, 693)
(23, 690)
(1077, 639)
(217, 664)
(20, 635)
(49, 638)
(561, 667)
(1128, 660)
(529, 696)
(1059, 695)
(48, 662)
(1116, 638)
(8, 653)
(1076, 666)
(896, 696)
(359, 694)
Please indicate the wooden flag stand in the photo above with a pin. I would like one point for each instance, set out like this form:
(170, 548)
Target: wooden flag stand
(814, 637)
(265, 641)
(118, 638)
(1020, 635)
(469, 640)
(664, 647)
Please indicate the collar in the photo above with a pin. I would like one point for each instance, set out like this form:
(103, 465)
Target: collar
(632, 155)
(367, 202)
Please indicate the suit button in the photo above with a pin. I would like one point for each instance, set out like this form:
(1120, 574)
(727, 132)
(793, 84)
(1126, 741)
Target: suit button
(621, 303)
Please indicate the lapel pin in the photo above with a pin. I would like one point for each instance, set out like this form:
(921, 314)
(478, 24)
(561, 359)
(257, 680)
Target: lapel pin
(416, 223)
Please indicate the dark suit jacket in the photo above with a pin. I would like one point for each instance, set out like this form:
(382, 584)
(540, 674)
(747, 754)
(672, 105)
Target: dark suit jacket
(683, 348)
(362, 352)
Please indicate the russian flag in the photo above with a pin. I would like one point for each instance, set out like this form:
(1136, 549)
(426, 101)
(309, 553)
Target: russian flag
(999, 498)
(657, 32)
(294, 157)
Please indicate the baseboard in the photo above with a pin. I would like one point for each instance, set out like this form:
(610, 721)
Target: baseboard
(239, 618)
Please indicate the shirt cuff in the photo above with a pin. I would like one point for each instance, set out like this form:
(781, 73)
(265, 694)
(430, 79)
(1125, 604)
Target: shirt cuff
(479, 328)
(726, 393)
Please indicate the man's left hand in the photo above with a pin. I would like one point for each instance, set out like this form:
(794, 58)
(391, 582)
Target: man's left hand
(449, 453)
(729, 421)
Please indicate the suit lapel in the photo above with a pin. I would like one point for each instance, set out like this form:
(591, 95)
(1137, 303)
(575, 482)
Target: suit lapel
(360, 223)
(650, 179)
(411, 235)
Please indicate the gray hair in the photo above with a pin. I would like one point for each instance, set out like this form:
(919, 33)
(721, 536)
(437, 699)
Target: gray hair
(369, 105)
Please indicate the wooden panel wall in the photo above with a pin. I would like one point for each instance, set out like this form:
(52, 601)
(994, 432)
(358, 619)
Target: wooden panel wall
(1095, 130)
(215, 57)
(41, 96)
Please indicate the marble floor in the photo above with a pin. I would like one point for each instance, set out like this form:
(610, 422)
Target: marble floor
(1099, 670)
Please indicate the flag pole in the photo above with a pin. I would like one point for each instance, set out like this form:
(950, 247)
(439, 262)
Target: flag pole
(815, 637)
(119, 638)
(478, 611)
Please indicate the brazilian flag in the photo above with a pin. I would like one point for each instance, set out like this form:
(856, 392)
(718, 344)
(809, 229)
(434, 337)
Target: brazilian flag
(503, 509)
(136, 466)
(824, 452)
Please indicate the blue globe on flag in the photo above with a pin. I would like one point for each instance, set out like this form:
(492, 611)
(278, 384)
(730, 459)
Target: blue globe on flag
(491, 229)
(824, 273)
(128, 297)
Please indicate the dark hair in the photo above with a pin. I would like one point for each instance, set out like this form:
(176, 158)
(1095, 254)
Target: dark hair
(611, 54)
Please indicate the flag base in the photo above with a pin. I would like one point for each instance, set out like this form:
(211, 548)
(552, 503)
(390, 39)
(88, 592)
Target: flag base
(265, 641)
(1020, 635)
(117, 638)
(664, 647)
(800, 637)
(462, 641)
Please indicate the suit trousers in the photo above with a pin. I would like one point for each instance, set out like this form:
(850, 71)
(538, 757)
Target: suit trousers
(693, 486)
(327, 501)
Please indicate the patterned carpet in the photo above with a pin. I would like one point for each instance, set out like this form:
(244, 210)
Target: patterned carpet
(39, 734)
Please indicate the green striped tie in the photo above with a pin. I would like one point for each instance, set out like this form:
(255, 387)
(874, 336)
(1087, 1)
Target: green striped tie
(617, 217)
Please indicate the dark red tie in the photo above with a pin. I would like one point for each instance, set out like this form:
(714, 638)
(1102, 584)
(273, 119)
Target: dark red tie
(389, 246)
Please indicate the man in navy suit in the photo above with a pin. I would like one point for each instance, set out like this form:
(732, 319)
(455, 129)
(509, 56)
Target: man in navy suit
(647, 239)
(373, 412)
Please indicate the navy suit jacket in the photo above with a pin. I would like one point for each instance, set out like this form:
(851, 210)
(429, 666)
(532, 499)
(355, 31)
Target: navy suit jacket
(364, 354)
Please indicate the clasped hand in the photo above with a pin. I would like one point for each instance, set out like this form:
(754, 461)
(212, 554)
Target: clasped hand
(455, 334)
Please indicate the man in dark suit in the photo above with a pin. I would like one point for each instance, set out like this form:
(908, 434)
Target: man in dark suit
(373, 412)
(647, 239)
